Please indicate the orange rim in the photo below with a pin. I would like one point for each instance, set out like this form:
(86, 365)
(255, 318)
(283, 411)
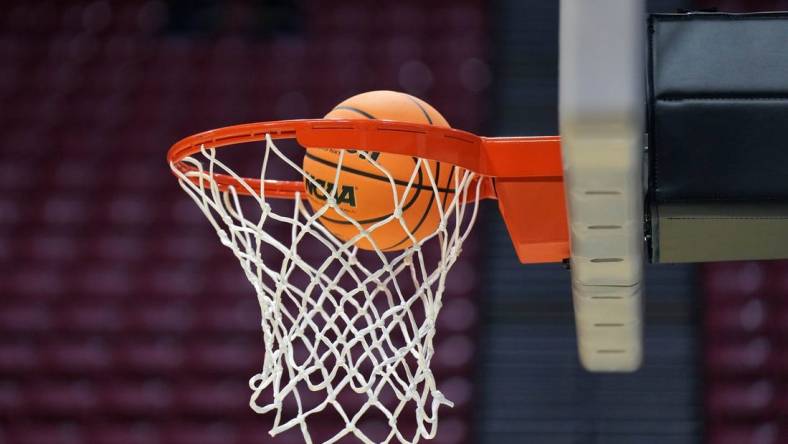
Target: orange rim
(523, 173)
(515, 157)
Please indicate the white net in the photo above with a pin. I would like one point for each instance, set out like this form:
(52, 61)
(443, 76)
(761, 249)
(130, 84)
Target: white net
(347, 332)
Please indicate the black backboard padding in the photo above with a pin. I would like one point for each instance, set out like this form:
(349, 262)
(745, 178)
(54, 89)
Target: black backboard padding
(718, 107)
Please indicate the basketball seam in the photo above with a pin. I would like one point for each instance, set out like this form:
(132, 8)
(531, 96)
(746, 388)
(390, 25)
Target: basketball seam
(424, 111)
(427, 209)
(366, 174)
(374, 219)
(418, 187)
(356, 110)
(446, 194)
(371, 175)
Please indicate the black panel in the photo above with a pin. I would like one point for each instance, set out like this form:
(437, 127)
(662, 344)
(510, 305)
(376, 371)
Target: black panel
(718, 107)
(720, 150)
(720, 54)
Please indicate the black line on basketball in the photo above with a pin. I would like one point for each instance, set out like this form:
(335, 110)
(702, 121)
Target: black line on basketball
(432, 194)
(426, 210)
(371, 175)
(356, 110)
(446, 193)
(426, 114)
(383, 179)
(418, 187)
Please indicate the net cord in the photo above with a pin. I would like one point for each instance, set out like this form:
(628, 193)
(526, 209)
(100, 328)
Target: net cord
(399, 367)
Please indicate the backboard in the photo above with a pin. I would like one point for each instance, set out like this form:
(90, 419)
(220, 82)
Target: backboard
(602, 87)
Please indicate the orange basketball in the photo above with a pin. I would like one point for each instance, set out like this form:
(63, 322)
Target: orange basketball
(363, 190)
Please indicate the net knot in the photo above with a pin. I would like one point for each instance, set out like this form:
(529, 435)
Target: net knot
(440, 399)
(224, 239)
(427, 327)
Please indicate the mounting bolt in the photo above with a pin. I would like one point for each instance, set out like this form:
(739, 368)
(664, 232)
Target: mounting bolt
(567, 264)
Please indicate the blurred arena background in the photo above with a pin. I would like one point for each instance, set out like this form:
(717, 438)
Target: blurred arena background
(123, 321)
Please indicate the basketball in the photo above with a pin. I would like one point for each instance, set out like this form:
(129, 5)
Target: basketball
(363, 190)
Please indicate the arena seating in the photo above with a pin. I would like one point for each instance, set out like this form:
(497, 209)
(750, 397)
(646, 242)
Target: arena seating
(745, 323)
(122, 319)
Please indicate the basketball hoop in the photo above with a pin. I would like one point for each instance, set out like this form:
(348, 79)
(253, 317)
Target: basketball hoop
(342, 321)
